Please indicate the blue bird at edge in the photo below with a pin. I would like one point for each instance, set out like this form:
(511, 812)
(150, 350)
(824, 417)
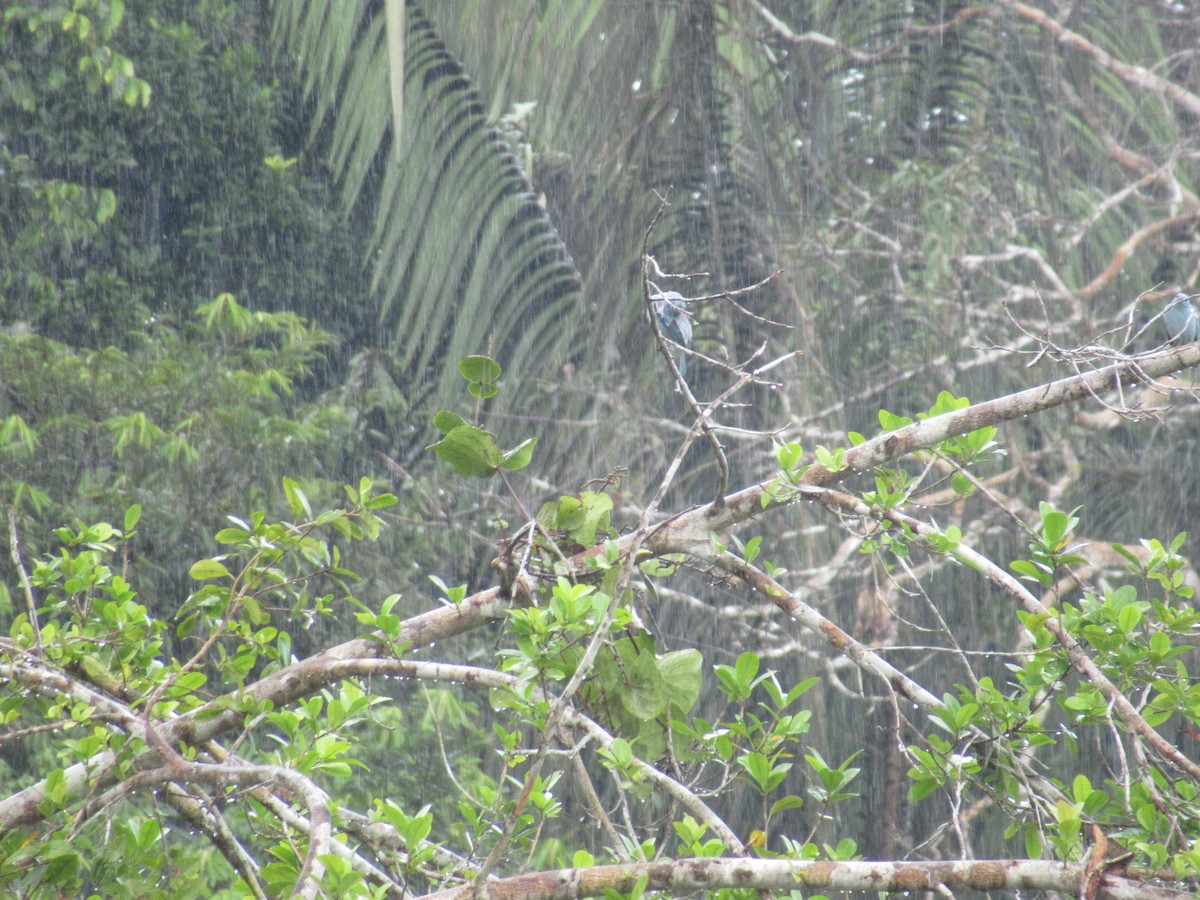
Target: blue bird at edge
(1181, 319)
(670, 308)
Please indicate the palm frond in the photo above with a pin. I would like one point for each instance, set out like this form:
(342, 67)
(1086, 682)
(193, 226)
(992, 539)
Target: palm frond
(463, 258)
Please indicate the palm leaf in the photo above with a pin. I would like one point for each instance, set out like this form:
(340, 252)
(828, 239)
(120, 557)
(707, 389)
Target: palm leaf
(463, 258)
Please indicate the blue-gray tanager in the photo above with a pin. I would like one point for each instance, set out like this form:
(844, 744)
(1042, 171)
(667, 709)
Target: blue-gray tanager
(1181, 320)
(670, 308)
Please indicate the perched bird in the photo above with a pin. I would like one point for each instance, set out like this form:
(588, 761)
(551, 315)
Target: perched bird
(1181, 319)
(670, 308)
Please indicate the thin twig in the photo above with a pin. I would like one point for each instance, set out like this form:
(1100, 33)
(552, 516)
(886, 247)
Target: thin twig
(14, 549)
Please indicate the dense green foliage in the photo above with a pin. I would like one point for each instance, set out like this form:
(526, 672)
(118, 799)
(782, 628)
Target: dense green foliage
(137, 196)
(231, 283)
(94, 656)
(158, 248)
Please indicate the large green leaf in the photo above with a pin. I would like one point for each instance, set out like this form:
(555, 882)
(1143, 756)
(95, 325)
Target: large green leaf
(464, 259)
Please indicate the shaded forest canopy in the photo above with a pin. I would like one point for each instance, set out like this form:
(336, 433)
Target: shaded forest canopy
(893, 573)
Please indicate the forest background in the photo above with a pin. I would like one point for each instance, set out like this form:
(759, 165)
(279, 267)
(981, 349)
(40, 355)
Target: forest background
(244, 248)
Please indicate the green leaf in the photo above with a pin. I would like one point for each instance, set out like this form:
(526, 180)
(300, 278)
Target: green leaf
(747, 667)
(479, 369)
(1033, 842)
(189, 681)
(1129, 556)
(470, 451)
(891, 422)
(661, 568)
(791, 801)
(1032, 571)
(1054, 528)
(446, 421)
(921, 789)
(947, 402)
(789, 455)
(757, 766)
(766, 774)
(621, 752)
(1129, 618)
(645, 694)
(208, 568)
(253, 611)
(583, 515)
(682, 672)
(750, 553)
(833, 460)
(519, 457)
(846, 849)
(382, 501)
(297, 501)
(106, 206)
(277, 163)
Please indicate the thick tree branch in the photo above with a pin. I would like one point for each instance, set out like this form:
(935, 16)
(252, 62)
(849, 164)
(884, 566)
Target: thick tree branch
(839, 640)
(1134, 75)
(320, 832)
(825, 877)
(214, 828)
(928, 433)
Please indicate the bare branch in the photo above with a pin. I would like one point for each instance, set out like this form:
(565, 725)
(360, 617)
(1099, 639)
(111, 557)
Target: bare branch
(1134, 75)
(14, 549)
(686, 875)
